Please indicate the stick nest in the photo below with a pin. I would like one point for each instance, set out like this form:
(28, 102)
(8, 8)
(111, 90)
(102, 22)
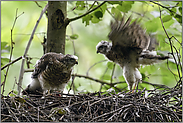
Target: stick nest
(163, 105)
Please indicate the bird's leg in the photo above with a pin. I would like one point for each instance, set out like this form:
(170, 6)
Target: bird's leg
(134, 88)
(138, 77)
(130, 85)
(44, 94)
(61, 92)
(49, 92)
(128, 73)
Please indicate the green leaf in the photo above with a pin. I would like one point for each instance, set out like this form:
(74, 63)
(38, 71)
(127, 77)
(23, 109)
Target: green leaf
(103, 8)
(5, 47)
(106, 77)
(80, 5)
(153, 25)
(143, 76)
(180, 10)
(143, 1)
(62, 111)
(5, 51)
(4, 60)
(166, 18)
(56, 110)
(115, 2)
(178, 18)
(86, 19)
(116, 12)
(94, 19)
(173, 11)
(126, 6)
(121, 78)
(93, 6)
(74, 36)
(179, 3)
(98, 14)
(110, 65)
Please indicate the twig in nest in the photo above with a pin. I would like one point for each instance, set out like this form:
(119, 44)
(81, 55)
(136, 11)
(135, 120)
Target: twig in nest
(159, 106)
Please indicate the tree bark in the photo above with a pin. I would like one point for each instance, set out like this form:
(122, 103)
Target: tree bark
(56, 31)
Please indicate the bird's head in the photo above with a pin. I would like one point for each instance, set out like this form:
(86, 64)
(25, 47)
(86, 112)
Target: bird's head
(70, 60)
(103, 47)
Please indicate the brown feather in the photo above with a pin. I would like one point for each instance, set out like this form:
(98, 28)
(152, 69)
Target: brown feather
(128, 35)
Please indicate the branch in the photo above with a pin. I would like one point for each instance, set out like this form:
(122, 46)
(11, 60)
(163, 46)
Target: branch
(11, 50)
(112, 72)
(157, 85)
(73, 40)
(28, 70)
(171, 46)
(38, 4)
(164, 6)
(110, 13)
(75, 18)
(93, 66)
(17, 59)
(90, 78)
(103, 77)
(26, 50)
(92, 5)
(171, 71)
(97, 80)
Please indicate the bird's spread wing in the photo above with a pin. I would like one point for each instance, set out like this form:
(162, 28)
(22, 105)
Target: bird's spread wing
(128, 35)
(150, 57)
(153, 43)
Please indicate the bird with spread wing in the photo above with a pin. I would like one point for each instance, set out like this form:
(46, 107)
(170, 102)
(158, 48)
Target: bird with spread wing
(52, 72)
(131, 47)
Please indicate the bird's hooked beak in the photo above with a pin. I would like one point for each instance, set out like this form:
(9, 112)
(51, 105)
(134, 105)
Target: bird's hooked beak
(76, 62)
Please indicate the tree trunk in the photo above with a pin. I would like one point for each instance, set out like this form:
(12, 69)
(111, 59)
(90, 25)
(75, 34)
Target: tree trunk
(56, 31)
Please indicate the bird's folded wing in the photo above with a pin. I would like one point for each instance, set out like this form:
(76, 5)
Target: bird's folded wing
(45, 60)
(39, 67)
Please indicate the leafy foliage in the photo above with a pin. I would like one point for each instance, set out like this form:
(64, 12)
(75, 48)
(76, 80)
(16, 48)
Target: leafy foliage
(96, 16)
(5, 48)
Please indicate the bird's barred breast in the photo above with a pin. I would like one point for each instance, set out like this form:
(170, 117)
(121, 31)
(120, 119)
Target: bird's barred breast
(51, 78)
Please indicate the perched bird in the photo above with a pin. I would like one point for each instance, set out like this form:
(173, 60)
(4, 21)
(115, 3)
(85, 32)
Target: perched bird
(52, 72)
(131, 47)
